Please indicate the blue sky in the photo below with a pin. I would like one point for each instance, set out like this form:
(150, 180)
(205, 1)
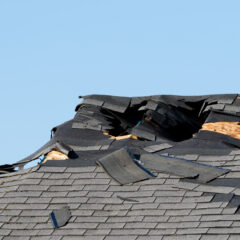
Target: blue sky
(53, 51)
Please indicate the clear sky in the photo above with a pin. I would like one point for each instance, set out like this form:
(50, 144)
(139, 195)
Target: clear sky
(53, 51)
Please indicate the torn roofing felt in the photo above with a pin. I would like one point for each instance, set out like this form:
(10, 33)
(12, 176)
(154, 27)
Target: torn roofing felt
(160, 124)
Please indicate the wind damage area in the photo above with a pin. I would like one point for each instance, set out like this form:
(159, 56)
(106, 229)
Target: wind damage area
(138, 132)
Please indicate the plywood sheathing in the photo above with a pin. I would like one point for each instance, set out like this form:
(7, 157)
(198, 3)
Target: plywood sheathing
(231, 129)
(121, 137)
(55, 155)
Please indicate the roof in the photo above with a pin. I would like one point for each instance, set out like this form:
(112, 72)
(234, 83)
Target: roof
(161, 204)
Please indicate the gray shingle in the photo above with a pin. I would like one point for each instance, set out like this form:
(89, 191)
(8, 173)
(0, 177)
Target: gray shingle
(185, 237)
(177, 225)
(214, 189)
(45, 232)
(35, 213)
(8, 189)
(32, 219)
(208, 205)
(92, 219)
(155, 212)
(214, 237)
(110, 213)
(82, 225)
(216, 224)
(52, 182)
(82, 213)
(232, 108)
(149, 238)
(123, 232)
(198, 199)
(96, 187)
(234, 230)
(69, 200)
(53, 194)
(3, 205)
(66, 188)
(145, 206)
(184, 219)
(22, 194)
(189, 231)
(215, 158)
(177, 206)
(59, 176)
(79, 194)
(52, 169)
(233, 237)
(177, 212)
(99, 194)
(80, 169)
(210, 211)
(161, 232)
(124, 219)
(141, 225)
(24, 232)
(119, 237)
(92, 206)
(91, 181)
(105, 200)
(155, 219)
(111, 225)
(27, 206)
(69, 232)
(15, 238)
(39, 200)
(17, 226)
(33, 188)
(167, 193)
(168, 199)
(97, 232)
(83, 238)
(4, 232)
(82, 175)
(46, 238)
(134, 194)
(31, 181)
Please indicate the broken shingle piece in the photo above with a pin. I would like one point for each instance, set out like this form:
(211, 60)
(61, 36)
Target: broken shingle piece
(181, 167)
(60, 217)
(114, 103)
(122, 168)
(157, 147)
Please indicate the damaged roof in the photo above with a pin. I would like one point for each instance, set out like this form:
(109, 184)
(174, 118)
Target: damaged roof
(158, 167)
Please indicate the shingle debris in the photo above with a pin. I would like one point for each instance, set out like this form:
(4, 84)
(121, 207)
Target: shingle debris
(60, 217)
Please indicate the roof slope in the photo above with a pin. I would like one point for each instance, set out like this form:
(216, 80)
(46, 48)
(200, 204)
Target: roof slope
(166, 207)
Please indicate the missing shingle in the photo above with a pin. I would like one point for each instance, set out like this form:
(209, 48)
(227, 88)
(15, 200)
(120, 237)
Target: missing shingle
(154, 119)
(231, 129)
(174, 119)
